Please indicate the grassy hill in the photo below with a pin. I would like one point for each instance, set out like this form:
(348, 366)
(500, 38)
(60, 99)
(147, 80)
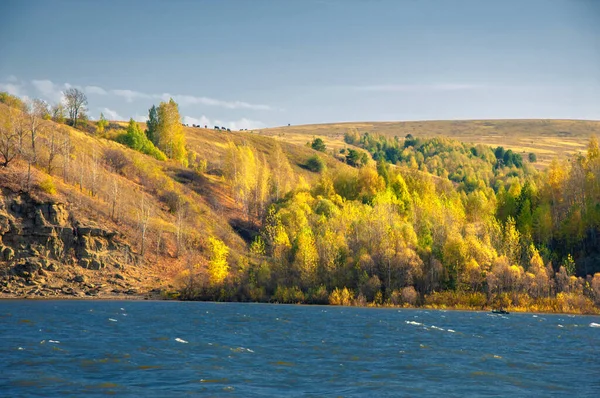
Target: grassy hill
(546, 138)
(103, 183)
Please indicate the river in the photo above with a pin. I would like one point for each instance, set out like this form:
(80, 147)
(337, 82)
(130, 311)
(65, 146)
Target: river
(160, 349)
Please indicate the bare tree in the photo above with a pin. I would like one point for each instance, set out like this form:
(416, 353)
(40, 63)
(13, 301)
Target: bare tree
(10, 139)
(115, 193)
(181, 214)
(54, 149)
(144, 221)
(81, 171)
(94, 172)
(75, 101)
(36, 111)
(66, 152)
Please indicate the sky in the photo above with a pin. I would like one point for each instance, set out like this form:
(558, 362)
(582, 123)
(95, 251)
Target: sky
(264, 63)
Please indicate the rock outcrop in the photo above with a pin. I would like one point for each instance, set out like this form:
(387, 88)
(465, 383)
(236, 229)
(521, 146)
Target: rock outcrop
(44, 251)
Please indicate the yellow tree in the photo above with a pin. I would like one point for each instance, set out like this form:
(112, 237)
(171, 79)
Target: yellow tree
(306, 256)
(218, 268)
(283, 175)
(169, 136)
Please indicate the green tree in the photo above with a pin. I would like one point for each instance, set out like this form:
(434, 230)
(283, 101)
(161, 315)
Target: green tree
(152, 124)
(315, 164)
(136, 139)
(318, 145)
(102, 124)
(532, 157)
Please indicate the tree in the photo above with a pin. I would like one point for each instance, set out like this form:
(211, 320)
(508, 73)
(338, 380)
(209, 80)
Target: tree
(136, 139)
(218, 268)
(143, 213)
(102, 124)
(57, 113)
(9, 137)
(169, 137)
(12, 101)
(152, 124)
(76, 102)
(54, 149)
(319, 145)
(532, 157)
(315, 164)
(283, 174)
(36, 112)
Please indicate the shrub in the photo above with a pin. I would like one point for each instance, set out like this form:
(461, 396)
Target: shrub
(532, 157)
(409, 295)
(315, 164)
(341, 297)
(318, 295)
(318, 145)
(116, 159)
(135, 138)
(288, 295)
(48, 186)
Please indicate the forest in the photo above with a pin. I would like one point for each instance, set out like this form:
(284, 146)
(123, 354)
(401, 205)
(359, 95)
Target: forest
(403, 221)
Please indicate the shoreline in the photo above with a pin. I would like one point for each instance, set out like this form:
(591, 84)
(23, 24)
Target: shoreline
(155, 298)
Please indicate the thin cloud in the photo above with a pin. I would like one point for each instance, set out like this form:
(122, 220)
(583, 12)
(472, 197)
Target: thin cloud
(111, 114)
(48, 89)
(130, 95)
(95, 90)
(419, 87)
(54, 92)
(181, 99)
(13, 89)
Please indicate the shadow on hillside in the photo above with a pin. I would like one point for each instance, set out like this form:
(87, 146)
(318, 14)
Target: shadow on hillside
(247, 230)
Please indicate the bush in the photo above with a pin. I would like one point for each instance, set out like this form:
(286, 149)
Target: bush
(48, 186)
(315, 164)
(532, 157)
(341, 297)
(409, 295)
(288, 295)
(135, 138)
(318, 295)
(318, 145)
(116, 159)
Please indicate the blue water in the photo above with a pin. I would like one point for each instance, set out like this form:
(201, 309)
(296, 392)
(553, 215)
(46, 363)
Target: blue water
(124, 348)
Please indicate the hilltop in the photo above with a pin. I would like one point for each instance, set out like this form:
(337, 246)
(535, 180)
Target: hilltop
(547, 138)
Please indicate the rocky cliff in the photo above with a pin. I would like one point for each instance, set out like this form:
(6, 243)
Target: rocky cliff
(45, 251)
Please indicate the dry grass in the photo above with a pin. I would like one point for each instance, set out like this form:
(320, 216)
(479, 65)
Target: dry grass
(546, 138)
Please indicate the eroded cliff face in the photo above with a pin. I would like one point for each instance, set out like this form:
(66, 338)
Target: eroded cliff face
(46, 251)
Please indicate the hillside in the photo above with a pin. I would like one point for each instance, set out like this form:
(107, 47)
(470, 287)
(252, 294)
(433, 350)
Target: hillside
(163, 210)
(104, 187)
(546, 138)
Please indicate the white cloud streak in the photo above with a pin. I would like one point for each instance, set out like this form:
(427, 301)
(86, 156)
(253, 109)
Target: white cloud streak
(419, 87)
(131, 95)
(54, 92)
(111, 114)
(95, 90)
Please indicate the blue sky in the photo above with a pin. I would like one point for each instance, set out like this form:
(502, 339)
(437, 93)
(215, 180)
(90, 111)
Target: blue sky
(248, 64)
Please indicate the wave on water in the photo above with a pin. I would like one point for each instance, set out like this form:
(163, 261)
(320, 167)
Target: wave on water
(595, 325)
(414, 323)
(54, 341)
(112, 319)
(177, 339)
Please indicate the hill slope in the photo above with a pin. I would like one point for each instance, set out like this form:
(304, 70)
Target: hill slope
(545, 138)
